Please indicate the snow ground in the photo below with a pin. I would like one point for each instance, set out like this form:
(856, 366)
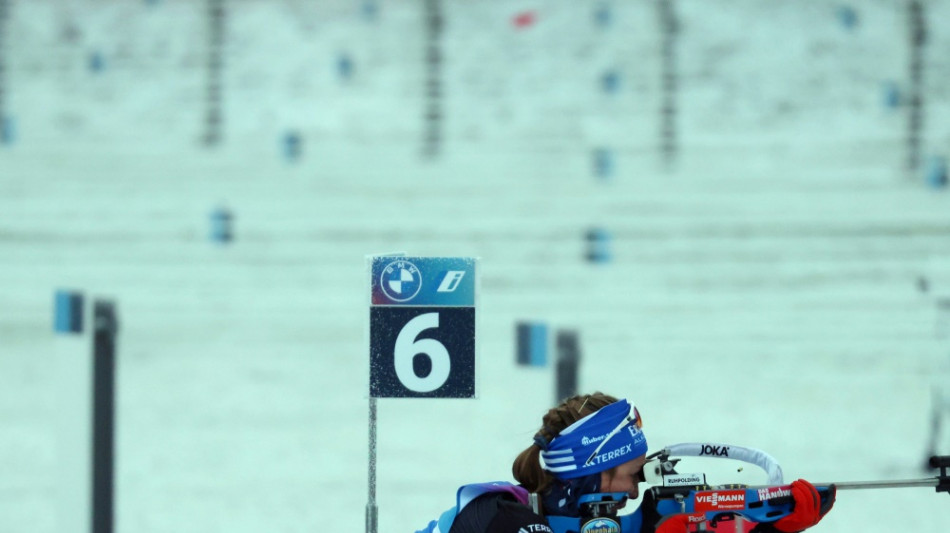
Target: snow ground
(763, 292)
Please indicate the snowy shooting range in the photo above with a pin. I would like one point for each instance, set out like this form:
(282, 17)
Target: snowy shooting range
(733, 212)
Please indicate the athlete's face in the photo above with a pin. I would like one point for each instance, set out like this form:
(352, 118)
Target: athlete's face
(626, 478)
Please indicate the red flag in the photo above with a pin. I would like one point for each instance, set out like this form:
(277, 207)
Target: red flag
(524, 19)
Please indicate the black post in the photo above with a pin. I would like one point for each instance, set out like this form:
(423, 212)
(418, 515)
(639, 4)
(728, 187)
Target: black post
(568, 361)
(103, 415)
(918, 37)
(669, 27)
(936, 417)
(214, 113)
(432, 136)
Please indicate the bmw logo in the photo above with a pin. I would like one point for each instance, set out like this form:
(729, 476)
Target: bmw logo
(400, 281)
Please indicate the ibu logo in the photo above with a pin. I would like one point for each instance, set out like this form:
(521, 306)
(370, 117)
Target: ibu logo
(601, 525)
(400, 281)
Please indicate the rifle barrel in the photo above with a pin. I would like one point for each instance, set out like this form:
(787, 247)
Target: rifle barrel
(852, 485)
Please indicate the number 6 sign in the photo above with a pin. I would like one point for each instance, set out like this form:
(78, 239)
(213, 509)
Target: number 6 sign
(422, 327)
(408, 346)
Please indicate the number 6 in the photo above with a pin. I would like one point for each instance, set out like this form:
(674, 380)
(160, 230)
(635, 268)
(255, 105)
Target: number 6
(407, 347)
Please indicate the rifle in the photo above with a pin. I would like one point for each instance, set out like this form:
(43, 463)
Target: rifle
(689, 493)
(710, 505)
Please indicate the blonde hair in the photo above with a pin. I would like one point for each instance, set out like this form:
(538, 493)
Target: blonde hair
(526, 468)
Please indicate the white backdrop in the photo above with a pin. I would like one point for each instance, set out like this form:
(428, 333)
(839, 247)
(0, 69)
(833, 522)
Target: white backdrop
(762, 292)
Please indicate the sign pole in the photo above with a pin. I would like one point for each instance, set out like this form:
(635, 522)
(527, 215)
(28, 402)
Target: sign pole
(372, 512)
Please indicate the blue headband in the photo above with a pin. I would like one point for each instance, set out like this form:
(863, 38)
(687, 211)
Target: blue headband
(601, 440)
